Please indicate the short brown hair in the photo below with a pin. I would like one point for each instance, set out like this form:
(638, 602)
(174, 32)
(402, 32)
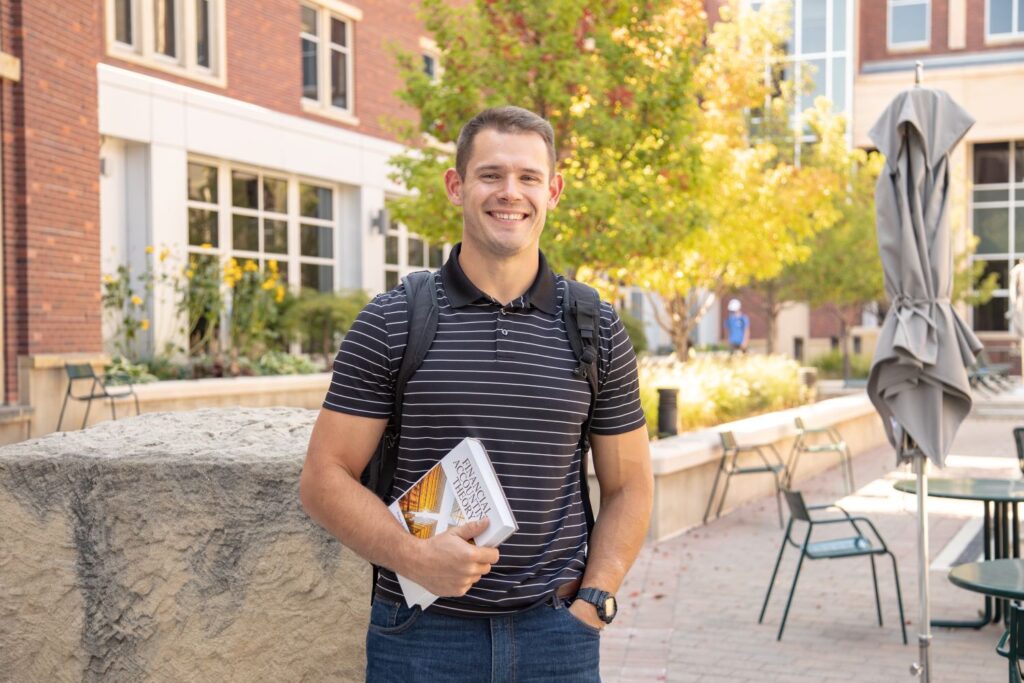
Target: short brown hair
(504, 120)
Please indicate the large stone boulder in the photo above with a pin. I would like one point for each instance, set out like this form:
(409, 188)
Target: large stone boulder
(172, 547)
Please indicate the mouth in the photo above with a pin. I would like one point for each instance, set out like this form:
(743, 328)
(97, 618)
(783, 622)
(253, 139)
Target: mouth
(508, 216)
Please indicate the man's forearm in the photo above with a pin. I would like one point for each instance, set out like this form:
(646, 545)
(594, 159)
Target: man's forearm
(618, 535)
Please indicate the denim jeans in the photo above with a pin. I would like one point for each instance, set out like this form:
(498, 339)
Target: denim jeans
(544, 643)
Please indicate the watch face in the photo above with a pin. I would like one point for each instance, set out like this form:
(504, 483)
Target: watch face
(609, 607)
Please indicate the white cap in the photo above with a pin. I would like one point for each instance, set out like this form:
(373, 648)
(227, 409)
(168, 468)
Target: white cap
(734, 305)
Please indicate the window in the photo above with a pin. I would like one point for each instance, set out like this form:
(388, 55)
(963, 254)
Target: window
(404, 252)
(262, 216)
(431, 59)
(1004, 19)
(326, 38)
(183, 37)
(997, 220)
(909, 24)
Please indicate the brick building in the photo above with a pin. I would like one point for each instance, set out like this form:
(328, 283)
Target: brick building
(249, 128)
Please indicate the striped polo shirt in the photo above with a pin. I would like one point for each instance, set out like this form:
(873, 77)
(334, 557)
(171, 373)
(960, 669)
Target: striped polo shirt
(502, 374)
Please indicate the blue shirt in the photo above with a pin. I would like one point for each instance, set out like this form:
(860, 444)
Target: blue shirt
(736, 325)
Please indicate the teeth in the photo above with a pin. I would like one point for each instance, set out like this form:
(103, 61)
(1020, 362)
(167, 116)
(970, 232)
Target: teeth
(510, 216)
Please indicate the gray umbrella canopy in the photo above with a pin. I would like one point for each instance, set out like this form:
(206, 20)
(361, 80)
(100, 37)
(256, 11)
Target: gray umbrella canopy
(918, 381)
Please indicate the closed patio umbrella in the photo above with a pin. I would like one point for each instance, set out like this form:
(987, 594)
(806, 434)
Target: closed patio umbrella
(918, 381)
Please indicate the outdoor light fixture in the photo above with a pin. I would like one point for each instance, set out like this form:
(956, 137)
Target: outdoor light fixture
(381, 220)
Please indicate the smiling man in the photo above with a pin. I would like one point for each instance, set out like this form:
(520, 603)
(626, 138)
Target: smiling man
(501, 369)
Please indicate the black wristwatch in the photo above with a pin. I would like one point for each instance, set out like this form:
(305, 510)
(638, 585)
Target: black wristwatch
(604, 601)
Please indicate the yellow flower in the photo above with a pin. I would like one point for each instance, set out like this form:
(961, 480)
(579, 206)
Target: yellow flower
(149, 249)
(267, 285)
(272, 264)
(164, 253)
(189, 273)
(144, 323)
(108, 278)
(279, 294)
(136, 300)
(206, 245)
(251, 266)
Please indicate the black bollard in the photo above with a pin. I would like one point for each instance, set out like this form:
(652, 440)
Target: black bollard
(668, 412)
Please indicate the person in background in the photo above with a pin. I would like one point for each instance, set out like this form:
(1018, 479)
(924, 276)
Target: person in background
(737, 327)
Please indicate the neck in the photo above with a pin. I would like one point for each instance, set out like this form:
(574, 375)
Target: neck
(502, 278)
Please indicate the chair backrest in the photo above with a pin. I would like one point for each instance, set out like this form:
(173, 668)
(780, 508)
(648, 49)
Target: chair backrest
(79, 371)
(797, 507)
(728, 440)
(799, 423)
(1018, 439)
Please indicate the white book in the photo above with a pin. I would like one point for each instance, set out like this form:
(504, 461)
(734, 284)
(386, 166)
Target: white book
(462, 487)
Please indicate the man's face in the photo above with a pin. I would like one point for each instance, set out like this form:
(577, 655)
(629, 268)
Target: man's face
(506, 193)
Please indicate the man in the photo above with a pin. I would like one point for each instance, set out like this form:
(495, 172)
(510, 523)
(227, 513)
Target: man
(500, 369)
(737, 327)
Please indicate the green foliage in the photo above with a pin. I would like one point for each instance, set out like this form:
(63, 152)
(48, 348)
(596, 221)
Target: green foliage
(320, 319)
(721, 388)
(830, 365)
(257, 300)
(123, 371)
(125, 299)
(635, 330)
(201, 303)
(280, 363)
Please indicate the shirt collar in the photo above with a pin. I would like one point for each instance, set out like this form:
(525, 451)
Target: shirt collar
(462, 292)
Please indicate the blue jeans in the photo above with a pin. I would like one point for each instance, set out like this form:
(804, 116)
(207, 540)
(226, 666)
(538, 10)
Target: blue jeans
(545, 643)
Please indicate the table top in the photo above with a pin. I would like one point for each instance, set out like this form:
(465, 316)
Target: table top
(996, 490)
(1001, 578)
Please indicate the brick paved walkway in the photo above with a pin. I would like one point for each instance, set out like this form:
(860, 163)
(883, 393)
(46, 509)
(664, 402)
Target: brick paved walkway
(689, 607)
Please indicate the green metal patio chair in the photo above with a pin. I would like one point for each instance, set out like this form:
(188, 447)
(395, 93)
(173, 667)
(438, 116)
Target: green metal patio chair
(1011, 645)
(820, 440)
(728, 464)
(97, 391)
(831, 549)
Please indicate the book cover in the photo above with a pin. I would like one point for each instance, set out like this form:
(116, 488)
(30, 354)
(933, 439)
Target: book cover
(461, 487)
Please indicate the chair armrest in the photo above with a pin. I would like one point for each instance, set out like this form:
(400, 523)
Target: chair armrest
(829, 506)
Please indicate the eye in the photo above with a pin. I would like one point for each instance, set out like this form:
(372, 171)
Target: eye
(530, 179)
(489, 176)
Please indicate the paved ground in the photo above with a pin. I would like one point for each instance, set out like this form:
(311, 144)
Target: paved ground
(689, 607)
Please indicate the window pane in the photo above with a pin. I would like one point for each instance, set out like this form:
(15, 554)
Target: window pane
(244, 190)
(1000, 16)
(991, 195)
(839, 84)
(123, 21)
(165, 40)
(1002, 271)
(415, 251)
(429, 66)
(315, 202)
(275, 195)
(991, 163)
(991, 317)
(339, 32)
(1018, 229)
(275, 237)
(310, 88)
(309, 20)
(202, 183)
(1020, 195)
(202, 227)
(315, 276)
(812, 34)
(909, 24)
(245, 233)
(203, 32)
(391, 250)
(316, 240)
(813, 75)
(339, 79)
(436, 256)
(1020, 15)
(390, 279)
(1018, 150)
(839, 25)
(992, 226)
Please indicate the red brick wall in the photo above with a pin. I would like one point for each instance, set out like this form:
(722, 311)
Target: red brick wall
(263, 65)
(50, 182)
(873, 32)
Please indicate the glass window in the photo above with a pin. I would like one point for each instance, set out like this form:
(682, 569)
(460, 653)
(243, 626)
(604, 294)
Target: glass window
(815, 75)
(275, 195)
(992, 227)
(245, 233)
(991, 195)
(813, 26)
(326, 57)
(1000, 16)
(165, 20)
(175, 36)
(436, 256)
(430, 66)
(316, 240)
(245, 190)
(1018, 231)
(839, 84)
(202, 227)
(391, 250)
(339, 79)
(315, 201)
(202, 183)
(1018, 160)
(991, 163)
(416, 247)
(1002, 271)
(339, 32)
(318, 277)
(123, 22)
(908, 22)
(991, 317)
(390, 279)
(203, 33)
(839, 25)
(275, 236)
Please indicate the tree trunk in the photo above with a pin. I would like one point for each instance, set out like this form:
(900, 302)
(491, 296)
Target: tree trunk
(844, 335)
(771, 308)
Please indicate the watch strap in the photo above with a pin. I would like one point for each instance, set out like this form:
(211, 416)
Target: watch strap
(597, 598)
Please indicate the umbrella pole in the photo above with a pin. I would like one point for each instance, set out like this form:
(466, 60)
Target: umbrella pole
(922, 667)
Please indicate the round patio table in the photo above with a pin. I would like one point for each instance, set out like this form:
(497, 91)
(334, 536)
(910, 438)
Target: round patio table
(996, 578)
(1001, 527)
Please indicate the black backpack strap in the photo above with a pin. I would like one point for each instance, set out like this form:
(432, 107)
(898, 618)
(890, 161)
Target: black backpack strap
(581, 311)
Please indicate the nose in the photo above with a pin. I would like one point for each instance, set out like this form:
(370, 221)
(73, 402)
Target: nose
(509, 190)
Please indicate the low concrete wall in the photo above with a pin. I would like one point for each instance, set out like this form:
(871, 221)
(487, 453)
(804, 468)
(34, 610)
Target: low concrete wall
(172, 547)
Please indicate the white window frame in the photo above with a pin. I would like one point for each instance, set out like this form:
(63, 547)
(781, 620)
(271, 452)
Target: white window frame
(1013, 36)
(225, 209)
(142, 49)
(403, 267)
(322, 105)
(917, 45)
(429, 48)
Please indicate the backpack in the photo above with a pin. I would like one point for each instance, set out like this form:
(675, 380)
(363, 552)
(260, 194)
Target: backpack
(580, 312)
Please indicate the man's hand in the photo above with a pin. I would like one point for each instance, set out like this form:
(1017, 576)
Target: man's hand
(448, 564)
(586, 613)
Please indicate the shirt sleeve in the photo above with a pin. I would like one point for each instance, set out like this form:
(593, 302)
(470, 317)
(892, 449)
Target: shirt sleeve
(618, 402)
(363, 382)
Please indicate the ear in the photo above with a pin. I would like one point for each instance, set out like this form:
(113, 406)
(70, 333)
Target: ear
(453, 186)
(555, 188)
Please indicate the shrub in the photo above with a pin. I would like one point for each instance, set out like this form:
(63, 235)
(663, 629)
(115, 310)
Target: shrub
(635, 330)
(123, 371)
(280, 363)
(830, 365)
(319, 319)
